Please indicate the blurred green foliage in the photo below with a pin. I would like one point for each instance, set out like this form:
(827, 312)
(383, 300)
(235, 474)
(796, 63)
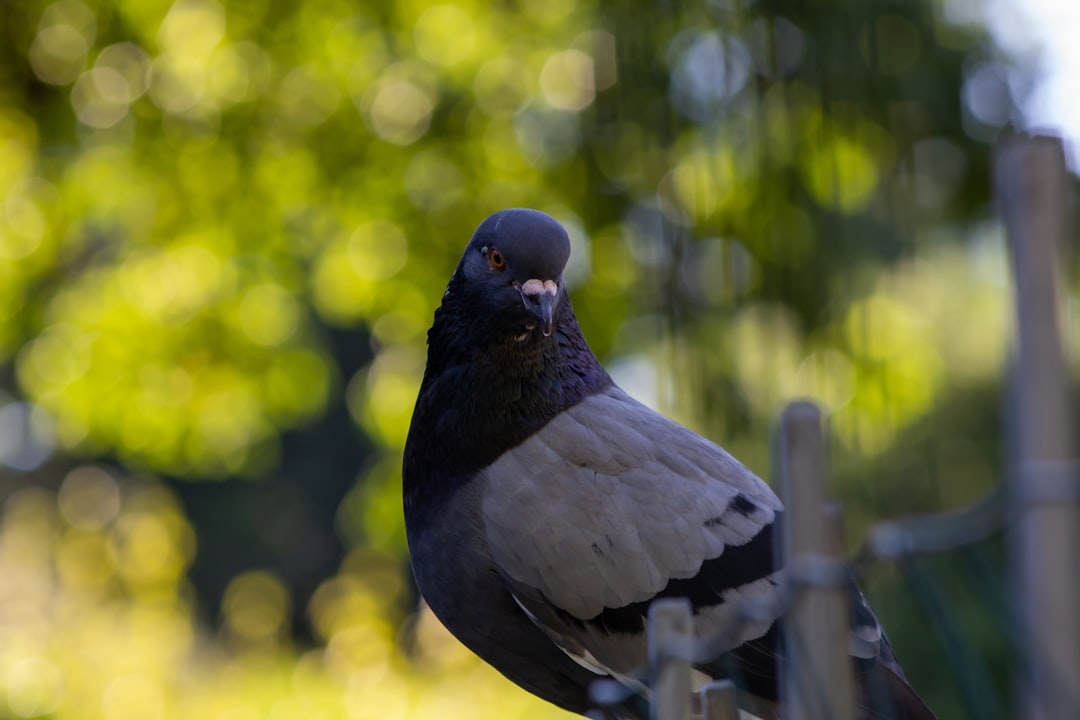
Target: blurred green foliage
(224, 229)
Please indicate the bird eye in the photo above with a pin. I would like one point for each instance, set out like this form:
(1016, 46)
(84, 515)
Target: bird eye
(496, 259)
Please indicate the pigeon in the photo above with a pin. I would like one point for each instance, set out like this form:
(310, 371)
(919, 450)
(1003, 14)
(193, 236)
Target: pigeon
(545, 509)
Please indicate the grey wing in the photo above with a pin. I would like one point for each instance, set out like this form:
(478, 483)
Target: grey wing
(611, 505)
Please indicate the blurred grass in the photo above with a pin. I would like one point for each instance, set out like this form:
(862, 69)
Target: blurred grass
(98, 622)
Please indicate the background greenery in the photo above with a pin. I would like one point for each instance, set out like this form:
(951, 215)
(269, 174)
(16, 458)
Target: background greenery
(224, 229)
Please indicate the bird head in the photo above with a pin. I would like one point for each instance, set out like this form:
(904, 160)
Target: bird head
(514, 267)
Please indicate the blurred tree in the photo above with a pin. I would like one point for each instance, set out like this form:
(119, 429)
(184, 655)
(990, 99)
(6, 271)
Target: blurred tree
(224, 228)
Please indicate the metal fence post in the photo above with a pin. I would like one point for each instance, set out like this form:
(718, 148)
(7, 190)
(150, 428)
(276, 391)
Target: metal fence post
(1032, 187)
(817, 677)
(670, 644)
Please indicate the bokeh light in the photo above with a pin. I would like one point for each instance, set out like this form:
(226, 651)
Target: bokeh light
(224, 229)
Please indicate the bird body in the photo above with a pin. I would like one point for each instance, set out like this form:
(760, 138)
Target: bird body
(545, 508)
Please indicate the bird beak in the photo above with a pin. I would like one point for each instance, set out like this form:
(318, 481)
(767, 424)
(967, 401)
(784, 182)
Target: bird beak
(541, 297)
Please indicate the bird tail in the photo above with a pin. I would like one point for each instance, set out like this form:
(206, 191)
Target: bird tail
(886, 695)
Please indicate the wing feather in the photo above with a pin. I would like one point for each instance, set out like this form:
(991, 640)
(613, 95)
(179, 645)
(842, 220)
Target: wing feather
(610, 501)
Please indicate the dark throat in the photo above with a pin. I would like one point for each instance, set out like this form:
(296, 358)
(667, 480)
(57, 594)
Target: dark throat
(484, 393)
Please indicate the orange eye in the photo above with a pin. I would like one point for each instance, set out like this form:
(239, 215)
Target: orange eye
(496, 259)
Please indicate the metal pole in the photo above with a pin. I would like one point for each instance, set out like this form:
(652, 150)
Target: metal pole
(817, 676)
(1032, 186)
(670, 644)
